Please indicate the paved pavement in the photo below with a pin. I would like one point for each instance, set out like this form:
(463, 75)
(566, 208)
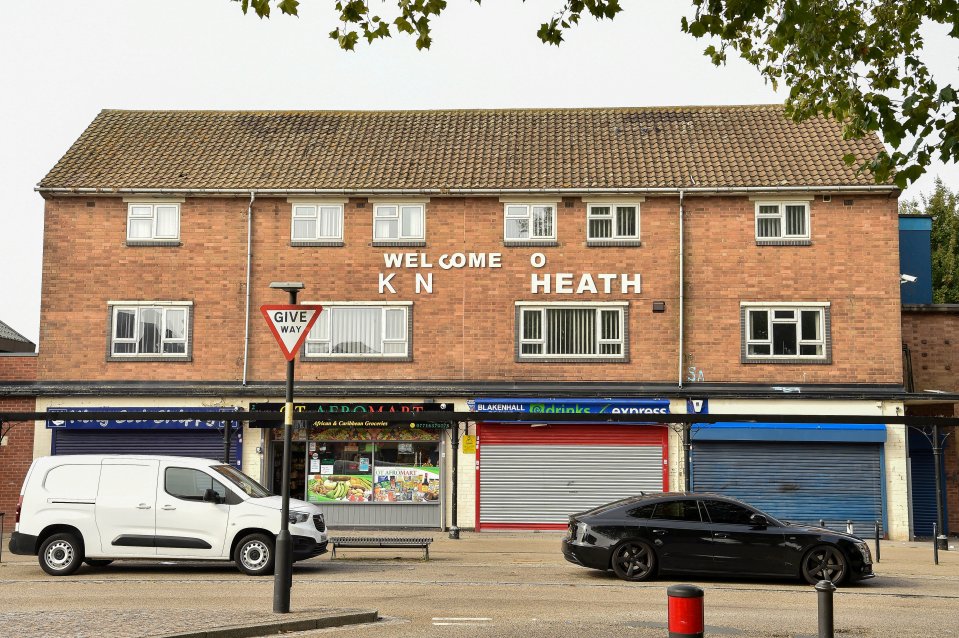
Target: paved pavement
(490, 584)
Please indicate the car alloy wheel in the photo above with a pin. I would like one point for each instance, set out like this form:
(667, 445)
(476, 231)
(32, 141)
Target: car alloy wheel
(254, 555)
(634, 560)
(824, 562)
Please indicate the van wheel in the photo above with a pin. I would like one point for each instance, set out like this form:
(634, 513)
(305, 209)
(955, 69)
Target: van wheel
(97, 562)
(61, 554)
(254, 555)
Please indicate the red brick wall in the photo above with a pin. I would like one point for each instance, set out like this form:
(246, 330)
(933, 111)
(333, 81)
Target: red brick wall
(933, 340)
(464, 330)
(17, 454)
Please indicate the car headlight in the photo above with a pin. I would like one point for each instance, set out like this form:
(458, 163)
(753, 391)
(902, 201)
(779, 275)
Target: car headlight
(298, 517)
(866, 554)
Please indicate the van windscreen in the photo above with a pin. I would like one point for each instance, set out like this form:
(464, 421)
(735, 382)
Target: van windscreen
(249, 486)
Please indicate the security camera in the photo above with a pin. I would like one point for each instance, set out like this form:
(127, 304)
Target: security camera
(907, 279)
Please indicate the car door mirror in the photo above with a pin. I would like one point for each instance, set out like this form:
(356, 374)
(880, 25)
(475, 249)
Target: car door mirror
(210, 496)
(759, 521)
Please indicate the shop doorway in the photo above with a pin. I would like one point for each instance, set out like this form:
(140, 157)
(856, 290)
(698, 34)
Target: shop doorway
(297, 469)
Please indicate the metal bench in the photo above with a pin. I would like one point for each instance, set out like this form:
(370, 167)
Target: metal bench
(381, 542)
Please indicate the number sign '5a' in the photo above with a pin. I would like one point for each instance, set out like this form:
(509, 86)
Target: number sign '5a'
(290, 325)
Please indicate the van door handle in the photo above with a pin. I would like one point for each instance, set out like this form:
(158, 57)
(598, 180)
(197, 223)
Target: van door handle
(659, 532)
(144, 506)
(167, 508)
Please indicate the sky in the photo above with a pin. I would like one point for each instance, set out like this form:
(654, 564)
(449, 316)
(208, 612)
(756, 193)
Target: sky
(64, 61)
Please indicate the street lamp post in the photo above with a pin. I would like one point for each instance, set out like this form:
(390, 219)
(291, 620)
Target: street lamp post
(283, 567)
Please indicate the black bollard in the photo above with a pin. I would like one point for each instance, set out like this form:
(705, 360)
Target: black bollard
(935, 545)
(878, 529)
(824, 589)
(822, 523)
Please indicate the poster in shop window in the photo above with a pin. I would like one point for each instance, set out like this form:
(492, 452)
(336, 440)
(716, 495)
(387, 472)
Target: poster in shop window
(401, 484)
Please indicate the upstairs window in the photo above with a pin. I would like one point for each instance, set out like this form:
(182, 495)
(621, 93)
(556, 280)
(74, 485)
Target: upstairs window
(156, 330)
(782, 222)
(566, 331)
(148, 222)
(399, 223)
(317, 223)
(612, 223)
(360, 330)
(530, 222)
(782, 333)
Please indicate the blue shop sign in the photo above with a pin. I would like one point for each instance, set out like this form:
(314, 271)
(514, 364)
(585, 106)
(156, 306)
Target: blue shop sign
(127, 420)
(571, 406)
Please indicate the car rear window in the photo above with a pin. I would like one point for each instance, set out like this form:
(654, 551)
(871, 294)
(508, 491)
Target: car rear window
(646, 511)
(677, 511)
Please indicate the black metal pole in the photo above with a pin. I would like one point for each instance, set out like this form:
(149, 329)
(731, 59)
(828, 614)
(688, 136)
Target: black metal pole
(878, 530)
(941, 541)
(825, 589)
(455, 438)
(226, 442)
(283, 567)
(687, 456)
(935, 545)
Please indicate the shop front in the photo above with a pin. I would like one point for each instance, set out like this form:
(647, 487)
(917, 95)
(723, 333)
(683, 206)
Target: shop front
(360, 470)
(534, 474)
(198, 438)
(801, 472)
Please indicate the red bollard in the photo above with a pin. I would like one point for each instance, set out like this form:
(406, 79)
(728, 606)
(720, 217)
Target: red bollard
(686, 615)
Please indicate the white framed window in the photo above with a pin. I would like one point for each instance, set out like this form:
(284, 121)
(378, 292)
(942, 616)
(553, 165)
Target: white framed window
(361, 330)
(150, 330)
(782, 221)
(399, 222)
(612, 222)
(784, 332)
(317, 223)
(529, 222)
(571, 331)
(147, 222)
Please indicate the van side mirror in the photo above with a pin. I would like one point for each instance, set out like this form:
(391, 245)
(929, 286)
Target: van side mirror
(210, 496)
(759, 521)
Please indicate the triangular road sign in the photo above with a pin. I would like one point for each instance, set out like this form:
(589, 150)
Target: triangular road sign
(290, 325)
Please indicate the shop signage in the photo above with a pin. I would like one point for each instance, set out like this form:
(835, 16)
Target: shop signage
(354, 414)
(127, 420)
(571, 406)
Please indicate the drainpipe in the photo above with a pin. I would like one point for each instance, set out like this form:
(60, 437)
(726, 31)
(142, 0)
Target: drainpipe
(249, 259)
(681, 282)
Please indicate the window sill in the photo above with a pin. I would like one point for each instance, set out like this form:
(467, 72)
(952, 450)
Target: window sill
(354, 359)
(784, 242)
(408, 243)
(332, 243)
(568, 360)
(530, 243)
(152, 359)
(797, 361)
(615, 243)
(154, 242)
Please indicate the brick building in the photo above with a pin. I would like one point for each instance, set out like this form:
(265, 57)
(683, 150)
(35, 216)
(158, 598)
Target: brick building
(666, 260)
(18, 371)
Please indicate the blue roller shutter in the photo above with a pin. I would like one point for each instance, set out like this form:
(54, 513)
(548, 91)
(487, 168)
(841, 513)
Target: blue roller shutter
(922, 476)
(797, 481)
(205, 444)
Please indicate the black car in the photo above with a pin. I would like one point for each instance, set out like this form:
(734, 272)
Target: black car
(642, 536)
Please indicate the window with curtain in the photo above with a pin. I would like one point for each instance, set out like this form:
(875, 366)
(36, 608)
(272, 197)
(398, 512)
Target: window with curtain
(150, 331)
(153, 222)
(399, 222)
(360, 330)
(782, 221)
(530, 222)
(612, 222)
(593, 332)
(317, 222)
(785, 333)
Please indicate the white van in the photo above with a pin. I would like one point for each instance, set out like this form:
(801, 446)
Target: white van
(98, 508)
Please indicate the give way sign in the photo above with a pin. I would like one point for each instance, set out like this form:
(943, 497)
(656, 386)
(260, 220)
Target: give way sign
(290, 325)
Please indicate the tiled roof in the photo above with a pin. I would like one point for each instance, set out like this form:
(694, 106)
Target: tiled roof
(667, 147)
(6, 332)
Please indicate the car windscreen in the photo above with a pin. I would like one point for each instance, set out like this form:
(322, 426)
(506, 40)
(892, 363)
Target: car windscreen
(245, 483)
